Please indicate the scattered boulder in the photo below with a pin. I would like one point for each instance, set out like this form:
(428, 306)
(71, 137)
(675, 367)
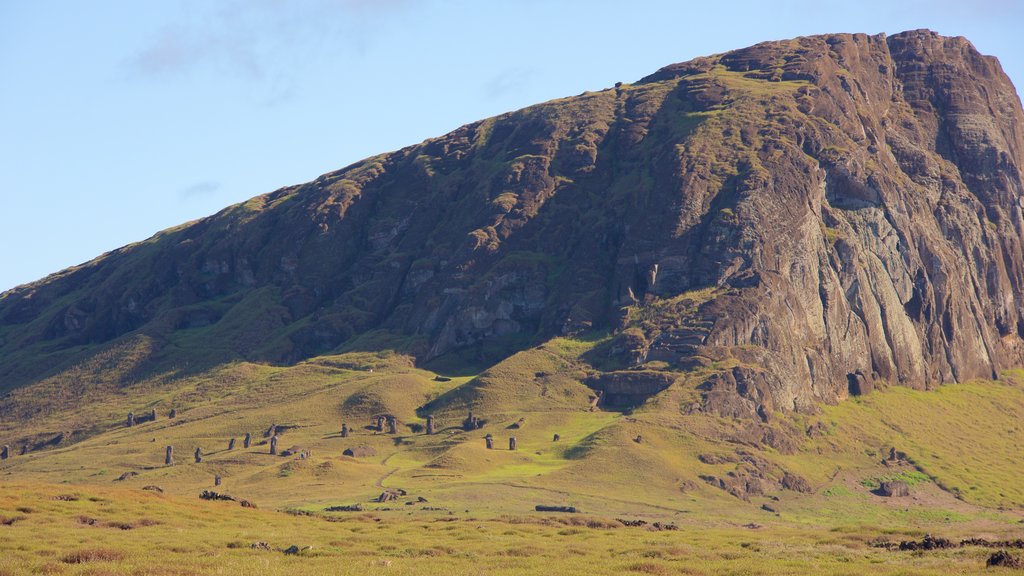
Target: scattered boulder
(153, 488)
(1004, 559)
(543, 508)
(272, 431)
(293, 549)
(893, 489)
(359, 452)
(929, 542)
(260, 546)
(126, 476)
(632, 523)
(345, 508)
(717, 458)
(817, 429)
(246, 504)
(442, 379)
(796, 483)
(173, 413)
(390, 495)
(211, 495)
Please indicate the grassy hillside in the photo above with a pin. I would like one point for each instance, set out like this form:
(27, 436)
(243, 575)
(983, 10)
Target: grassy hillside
(467, 508)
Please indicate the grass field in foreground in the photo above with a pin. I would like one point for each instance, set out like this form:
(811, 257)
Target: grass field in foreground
(101, 530)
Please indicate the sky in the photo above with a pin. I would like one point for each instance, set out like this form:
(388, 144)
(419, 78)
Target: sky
(120, 118)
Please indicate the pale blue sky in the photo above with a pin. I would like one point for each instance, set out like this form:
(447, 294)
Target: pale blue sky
(121, 118)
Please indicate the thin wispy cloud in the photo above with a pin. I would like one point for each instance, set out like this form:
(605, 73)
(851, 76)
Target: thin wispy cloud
(509, 81)
(248, 38)
(200, 189)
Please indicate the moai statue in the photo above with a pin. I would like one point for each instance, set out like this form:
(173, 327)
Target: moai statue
(152, 415)
(216, 480)
(272, 431)
(273, 445)
(556, 438)
(392, 425)
(344, 430)
(169, 457)
(199, 455)
(430, 424)
(247, 440)
(173, 413)
(380, 424)
(489, 440)
(470, 422)
(231, 444)
(131, 419)
(5, 452)
(512, 443)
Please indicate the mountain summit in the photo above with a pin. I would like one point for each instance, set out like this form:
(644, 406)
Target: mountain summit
(783, 225)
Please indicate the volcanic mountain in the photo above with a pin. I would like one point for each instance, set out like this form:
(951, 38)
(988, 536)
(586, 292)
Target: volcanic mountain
(775, 228)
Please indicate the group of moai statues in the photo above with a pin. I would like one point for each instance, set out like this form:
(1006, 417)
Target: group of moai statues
(198, 454)
(489, 442)
(390, 422)
(132, 420)
(5, 451)
(472, 422)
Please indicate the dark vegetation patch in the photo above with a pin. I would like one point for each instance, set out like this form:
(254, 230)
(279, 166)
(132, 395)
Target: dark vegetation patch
(93, 555)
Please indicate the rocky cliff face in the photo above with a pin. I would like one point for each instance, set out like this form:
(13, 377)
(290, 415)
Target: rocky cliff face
(791, 221)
